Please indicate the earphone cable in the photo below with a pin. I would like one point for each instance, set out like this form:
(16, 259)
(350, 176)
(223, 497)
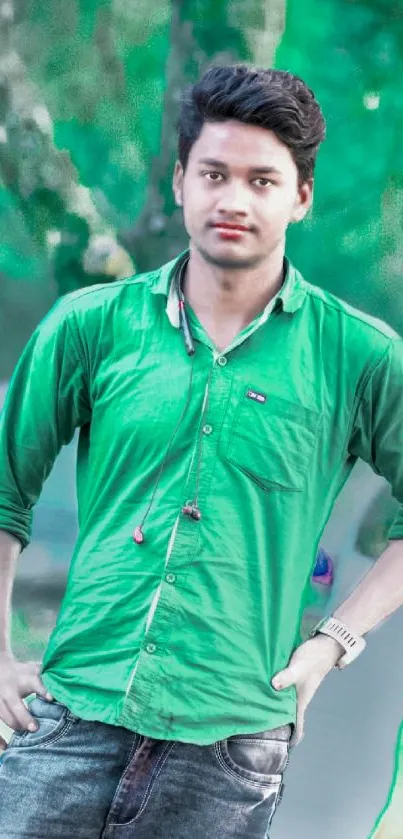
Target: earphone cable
(170, 444)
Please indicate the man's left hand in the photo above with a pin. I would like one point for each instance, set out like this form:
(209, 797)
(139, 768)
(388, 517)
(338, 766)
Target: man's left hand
(308, 666)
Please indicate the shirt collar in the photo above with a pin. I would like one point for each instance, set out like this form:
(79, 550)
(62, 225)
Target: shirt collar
(291, 293)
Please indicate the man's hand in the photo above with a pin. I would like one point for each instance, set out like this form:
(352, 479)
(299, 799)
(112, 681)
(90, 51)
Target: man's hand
(17, 680)
(307, 668)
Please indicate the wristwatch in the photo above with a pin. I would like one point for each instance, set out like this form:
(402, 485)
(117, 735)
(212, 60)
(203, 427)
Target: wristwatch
(353, 644)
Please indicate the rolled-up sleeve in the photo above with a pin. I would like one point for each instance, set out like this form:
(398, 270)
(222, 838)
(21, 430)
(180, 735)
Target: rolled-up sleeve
(377, 433)
(47, 399)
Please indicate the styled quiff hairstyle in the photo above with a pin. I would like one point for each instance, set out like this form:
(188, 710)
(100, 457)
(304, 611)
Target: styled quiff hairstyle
(272, 99)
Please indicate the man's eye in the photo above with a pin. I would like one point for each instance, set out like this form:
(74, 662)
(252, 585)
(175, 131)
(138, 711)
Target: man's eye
(212, 176)
(262, 181)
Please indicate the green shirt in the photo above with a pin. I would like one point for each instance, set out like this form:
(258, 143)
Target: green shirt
(179, 637)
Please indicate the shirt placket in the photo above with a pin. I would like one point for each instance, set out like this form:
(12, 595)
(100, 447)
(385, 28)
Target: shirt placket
(163, 614)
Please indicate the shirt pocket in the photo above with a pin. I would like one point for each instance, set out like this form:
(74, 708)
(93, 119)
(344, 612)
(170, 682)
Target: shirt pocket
(273, 441)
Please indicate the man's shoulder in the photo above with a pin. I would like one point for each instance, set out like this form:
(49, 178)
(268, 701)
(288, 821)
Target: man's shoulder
(95, 306)
(91, 303)
(359, 321)
(102, 295)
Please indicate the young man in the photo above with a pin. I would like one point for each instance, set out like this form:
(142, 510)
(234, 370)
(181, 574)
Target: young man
(222, 402)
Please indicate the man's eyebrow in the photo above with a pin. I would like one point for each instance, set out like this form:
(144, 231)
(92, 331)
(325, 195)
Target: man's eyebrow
(259, 170)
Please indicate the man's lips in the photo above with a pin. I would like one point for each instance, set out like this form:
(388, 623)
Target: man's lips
(230, 232)
(227, 226)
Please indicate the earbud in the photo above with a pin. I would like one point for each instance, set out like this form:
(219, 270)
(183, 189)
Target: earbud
(192, 511)
(138, 535)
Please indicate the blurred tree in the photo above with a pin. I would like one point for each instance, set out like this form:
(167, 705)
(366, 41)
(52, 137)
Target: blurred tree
(80, 260)
(40, 190)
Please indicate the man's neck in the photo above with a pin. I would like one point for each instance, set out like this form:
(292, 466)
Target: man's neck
(220, 296)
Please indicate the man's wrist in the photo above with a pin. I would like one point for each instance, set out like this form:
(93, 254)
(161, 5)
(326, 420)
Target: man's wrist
(352, 644)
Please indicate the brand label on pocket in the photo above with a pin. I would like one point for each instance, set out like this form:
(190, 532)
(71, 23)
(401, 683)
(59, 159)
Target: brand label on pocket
(254, 394)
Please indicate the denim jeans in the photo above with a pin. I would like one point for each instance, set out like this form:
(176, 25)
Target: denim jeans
(90, 780)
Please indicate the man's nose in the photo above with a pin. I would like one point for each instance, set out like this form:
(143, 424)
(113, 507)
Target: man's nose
(233, 199)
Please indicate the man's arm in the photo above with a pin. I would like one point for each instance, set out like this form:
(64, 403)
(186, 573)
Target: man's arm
(378, 594)
(17, 679)
(377, 438)
(374, 599)
(47, 399)
(10, 548)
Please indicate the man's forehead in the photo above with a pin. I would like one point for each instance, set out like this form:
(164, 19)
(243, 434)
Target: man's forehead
(232, 141)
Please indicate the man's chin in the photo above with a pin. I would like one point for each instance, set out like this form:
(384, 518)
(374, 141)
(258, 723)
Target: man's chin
(230, 261)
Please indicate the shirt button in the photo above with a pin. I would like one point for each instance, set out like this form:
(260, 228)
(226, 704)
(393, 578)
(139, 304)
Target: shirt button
(151, 648)
(221, 360)
(170, 578)
(207, 429)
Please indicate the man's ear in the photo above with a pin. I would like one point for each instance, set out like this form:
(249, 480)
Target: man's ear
(303, 201)
(177, 183)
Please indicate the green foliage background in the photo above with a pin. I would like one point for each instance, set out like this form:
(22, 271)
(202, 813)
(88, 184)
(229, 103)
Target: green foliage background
(88, 99)
(351, 54)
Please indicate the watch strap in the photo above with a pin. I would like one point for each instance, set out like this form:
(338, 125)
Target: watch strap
(353, 644)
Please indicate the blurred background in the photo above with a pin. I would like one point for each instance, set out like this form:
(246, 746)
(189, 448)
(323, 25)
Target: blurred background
(89, 95)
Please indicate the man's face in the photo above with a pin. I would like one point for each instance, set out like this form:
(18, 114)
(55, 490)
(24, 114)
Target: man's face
(240, 175)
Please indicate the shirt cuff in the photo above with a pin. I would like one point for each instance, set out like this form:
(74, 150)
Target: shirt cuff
(17, 522)
(396, 529)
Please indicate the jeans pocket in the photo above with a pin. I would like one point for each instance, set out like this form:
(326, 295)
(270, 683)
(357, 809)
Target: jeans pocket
(53, 720)
(256, 758)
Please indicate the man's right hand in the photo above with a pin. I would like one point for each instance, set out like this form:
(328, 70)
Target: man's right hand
(18, 679)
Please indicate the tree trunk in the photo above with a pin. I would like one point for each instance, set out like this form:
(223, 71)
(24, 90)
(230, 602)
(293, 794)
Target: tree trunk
(42, 178)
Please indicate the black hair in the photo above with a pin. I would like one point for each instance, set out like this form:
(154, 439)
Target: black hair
(273, 99)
